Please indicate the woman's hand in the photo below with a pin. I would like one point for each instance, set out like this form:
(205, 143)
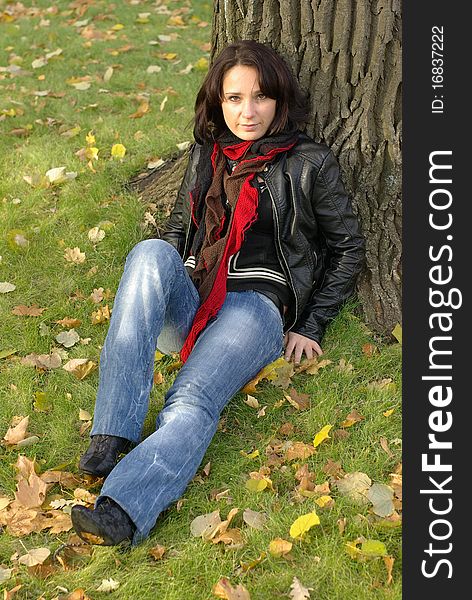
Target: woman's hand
(299, 344)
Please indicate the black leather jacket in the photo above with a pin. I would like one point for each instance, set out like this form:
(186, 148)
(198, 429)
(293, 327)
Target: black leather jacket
(317, 235)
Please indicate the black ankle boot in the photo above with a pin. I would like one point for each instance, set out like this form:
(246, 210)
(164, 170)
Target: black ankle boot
(107, 525)
(102, 454)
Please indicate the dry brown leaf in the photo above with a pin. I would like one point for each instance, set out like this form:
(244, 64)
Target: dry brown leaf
(143, 109)
(286, 429)
(352, 418)
(224, 589)
(389, 560)
(298, 591)
(385, 447)
(254, 519)
(299, 401)
(42, 361)
(344, 366)
(69, 322)
(84, 496)
(16, 433)
(232, 537)
(36, 556)
(299, 451)
(280, 547)
(27, 311)
(312, 366)
(355, 486)
(74, 255)
(251, 401)
(157, 552)
(334, 469)
(205, 525)
(78, 594)
(101, 315)
(80, 367)
(369, 349)
(341, 522)
(31, 489)
(8, 594)
(97, 295)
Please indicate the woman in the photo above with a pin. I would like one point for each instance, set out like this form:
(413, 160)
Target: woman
(262, 241)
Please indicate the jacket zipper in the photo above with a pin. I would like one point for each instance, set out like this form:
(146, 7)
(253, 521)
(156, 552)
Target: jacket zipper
(294, 220)
(277, 237)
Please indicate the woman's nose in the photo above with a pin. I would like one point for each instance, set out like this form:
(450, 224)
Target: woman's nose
(248, 109)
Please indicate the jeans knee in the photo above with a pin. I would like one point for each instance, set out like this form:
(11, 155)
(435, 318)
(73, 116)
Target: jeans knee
(152, 251)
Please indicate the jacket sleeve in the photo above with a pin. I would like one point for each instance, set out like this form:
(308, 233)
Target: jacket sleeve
(340, 228)
(176, 226)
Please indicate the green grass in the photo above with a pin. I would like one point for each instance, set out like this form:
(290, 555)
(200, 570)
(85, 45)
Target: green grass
(59, 217)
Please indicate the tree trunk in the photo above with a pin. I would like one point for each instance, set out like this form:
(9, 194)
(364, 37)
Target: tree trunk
(347, 55)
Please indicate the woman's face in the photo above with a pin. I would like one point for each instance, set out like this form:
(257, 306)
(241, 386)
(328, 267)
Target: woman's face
(247, 112)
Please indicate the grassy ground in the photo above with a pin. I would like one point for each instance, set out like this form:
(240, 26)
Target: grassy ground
(44, 121)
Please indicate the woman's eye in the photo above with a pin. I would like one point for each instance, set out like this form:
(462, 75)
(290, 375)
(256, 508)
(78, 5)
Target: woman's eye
(233, 98)
(262, 96)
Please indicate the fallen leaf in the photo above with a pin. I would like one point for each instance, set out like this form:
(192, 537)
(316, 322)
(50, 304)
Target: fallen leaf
(74, 255)
(355, 486)
(42, 361)
(59, 175)
(34, 557)
(299, 450)
(324, 501)
(254, 519)
(344, 366)
(68, 338)
(369, 349)
(84, 415)
(108, 74)
(352, 418)
(80, 367)
(8, 594)
(312, 366)
(385, 446)
(387, 384)
(381, 496)
(224, 589)
(96, 235)
(17, 433)
(204, 525)
(389, 560)
(31, 489)
(279, 547)
(69, 322)
(299, 591)
(85, 496)
(389, 413)
(251, 401)
(5, 574)
(341, 523)
(157, 552)
(143, 108)
(301, 525)
(322, 435)
(333, 468)
(118, 151)
(27, 311)
(297, 400)
(97, 295)
(247, 566)
(6, 287)
(108, 585)
(153, 69)
(101, 315)
(257, 485)
(398, 333)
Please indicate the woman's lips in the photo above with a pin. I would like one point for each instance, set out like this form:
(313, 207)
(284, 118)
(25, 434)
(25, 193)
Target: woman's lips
(250, 127)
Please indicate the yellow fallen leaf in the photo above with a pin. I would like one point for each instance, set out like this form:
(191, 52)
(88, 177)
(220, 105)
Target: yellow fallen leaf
(398, 333)
(223, 589)
(118, 27)
(323, 501)
(257, 485)
(322, 435)
(74, 255)
(118, 151)
(389, 412)
(301, 525)
(250, 455)
(280, 547)
(90, 138)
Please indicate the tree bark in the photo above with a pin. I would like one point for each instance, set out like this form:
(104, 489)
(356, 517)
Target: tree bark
(347, 56)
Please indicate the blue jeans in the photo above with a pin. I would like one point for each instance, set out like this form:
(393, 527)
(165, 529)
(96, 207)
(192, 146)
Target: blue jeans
(154, 307)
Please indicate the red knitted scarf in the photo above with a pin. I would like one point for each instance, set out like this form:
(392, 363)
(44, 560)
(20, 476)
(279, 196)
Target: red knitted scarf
(212, 262)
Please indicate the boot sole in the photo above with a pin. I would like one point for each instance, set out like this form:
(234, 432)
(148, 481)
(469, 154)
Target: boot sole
(89, 531)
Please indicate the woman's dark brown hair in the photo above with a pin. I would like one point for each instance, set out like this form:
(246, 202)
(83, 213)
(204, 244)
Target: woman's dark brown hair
(276, 81)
